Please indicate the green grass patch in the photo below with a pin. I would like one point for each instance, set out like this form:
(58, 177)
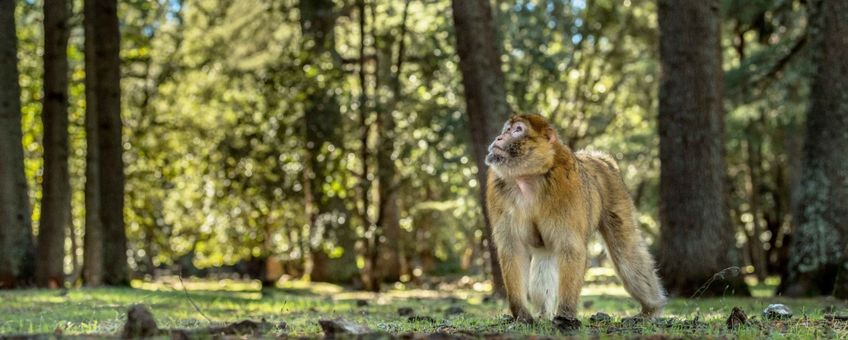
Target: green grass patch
(300, 305)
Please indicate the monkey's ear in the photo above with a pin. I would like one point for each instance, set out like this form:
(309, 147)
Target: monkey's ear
(551, 134)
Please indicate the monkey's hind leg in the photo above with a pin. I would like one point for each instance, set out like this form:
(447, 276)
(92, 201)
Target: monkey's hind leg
(634, 264)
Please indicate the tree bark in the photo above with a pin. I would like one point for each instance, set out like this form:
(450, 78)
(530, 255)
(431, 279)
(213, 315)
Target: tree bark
(92, 272)
(56, 189)
(368, 273)
(391, 250)
(821, 215)
(102, 21)
(697, 241)
(485, 96)
(323, 131)
(754, 148)
(17, 253)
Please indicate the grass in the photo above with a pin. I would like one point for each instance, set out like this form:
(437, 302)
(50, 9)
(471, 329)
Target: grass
(300, 305)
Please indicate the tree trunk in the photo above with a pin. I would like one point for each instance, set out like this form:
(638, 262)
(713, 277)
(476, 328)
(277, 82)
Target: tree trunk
(322, 132)
(697, 241)
(485, 96)
(56, 189)
(368, 273)
(754, 148)
(103, 64)
(391, 252)
(821, 216)
(92, 271)
(17, 253)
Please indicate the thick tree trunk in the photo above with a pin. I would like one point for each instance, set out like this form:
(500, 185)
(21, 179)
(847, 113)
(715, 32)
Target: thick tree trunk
(103, 63)
(16, 245)
(92, 272)
(56, 189)
(697, 241)
(485, 96)
(821, 215)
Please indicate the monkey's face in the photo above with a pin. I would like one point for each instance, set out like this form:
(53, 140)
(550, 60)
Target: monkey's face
(524, 147)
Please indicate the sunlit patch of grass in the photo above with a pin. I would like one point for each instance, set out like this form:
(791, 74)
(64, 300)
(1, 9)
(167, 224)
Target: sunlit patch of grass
(174, 283)
(301, 304)
(764, 288)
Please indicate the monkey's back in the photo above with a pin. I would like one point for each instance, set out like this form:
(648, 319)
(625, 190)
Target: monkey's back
(600, 172)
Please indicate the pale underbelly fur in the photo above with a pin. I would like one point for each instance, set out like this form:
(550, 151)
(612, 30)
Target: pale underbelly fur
(544, 282)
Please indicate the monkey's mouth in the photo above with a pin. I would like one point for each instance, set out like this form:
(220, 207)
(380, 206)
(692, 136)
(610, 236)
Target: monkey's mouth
(497, 155)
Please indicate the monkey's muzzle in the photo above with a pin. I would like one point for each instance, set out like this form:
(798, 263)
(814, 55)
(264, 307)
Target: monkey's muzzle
(496, 155)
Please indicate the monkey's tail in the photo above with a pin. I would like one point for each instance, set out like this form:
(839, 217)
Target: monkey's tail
(634, 264)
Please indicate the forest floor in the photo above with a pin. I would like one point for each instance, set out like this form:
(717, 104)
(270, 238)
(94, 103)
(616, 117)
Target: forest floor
(459, 309)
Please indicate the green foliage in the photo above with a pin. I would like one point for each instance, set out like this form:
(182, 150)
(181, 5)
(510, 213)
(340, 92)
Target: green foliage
(216, 96)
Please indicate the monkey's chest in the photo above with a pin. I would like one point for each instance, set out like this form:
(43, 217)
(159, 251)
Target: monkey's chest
(531, 232)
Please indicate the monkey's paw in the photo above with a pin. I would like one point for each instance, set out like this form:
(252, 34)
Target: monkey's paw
(566, 323)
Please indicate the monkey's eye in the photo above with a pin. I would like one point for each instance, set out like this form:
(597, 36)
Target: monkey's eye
(518, 130)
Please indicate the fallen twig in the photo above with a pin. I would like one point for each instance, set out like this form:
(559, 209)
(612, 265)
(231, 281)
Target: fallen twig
(185, 291)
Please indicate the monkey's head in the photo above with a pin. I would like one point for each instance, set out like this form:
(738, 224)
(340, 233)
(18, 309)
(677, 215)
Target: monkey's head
(526, 146)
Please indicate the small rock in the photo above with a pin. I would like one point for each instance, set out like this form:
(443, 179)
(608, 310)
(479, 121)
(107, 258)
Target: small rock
(588, 304)
(600, 318)
(244, 327)
(777, 311)
(282, 326)
(405, 311)
(633, 321)
(566, 323)
(454, 310)
(341, 327)
(140, 323)
(737, 318)
(421, 318)
(361, 303)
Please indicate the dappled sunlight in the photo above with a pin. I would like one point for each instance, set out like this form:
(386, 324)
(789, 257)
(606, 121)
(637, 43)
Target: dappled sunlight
(175, 283)
(277, 163)
(300, 304)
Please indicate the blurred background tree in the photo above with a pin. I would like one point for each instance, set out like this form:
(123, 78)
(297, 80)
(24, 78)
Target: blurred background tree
(339, 140)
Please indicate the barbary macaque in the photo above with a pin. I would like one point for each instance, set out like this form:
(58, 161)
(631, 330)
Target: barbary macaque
(545, 201)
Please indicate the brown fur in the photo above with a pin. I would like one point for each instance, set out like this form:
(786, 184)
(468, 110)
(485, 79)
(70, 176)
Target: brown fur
(544, 202)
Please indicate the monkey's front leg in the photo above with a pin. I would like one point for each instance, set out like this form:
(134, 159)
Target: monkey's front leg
(515, 264)
(572, 269)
